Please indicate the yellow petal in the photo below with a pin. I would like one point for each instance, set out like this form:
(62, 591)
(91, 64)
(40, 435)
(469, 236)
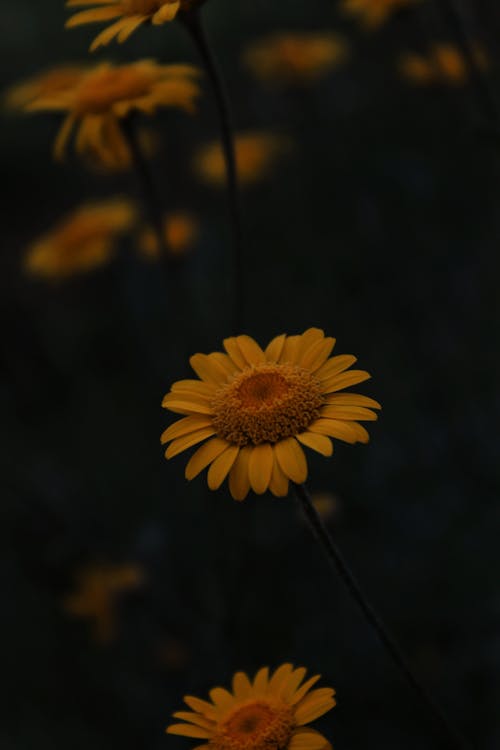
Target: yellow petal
(201, 706)
(251, 350)
(344, 380)
(232, 348)
(279, 677)
(193, 718)
(241, 685)
(279, 482)
(349, 413)
(224, 362)
(335, 365)
(352, 399)
(221, 697)
(291, 460)
(188, 730)
(310, 710)
(291, 685)
(239, 482)
(221, 467)
(198, 386)
(93, 15)
(307, 739)
(184, 427)
(274, 348)
(183, 443)
(317, 354)
(180, 405)
(166, 13)
(290, 350)
(320, 443)
(204, 456)
(133, 23)
(106, 36)
(332, 428)
(260, 467)
(261, 680)
(303, 689)
(208, 369)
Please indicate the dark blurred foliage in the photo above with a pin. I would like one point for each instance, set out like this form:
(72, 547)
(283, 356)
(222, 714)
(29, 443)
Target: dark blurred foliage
(384, 229)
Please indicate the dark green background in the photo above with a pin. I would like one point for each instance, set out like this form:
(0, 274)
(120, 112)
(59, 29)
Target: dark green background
(383, 227)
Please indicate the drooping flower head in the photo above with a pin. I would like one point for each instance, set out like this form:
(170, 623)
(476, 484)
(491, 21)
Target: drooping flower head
(266, 713)
(95, 597)
(83, 240)
(256, 155)
(373, 13)
(126, 15)
(46, 84)
(108, 93)
(293, 58)
(256, 408)
(445, 64)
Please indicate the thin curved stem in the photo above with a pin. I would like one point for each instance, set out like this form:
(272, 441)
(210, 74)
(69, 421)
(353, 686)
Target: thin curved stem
(194, 24)
(456, 22)
(339, 566)
(151, 200)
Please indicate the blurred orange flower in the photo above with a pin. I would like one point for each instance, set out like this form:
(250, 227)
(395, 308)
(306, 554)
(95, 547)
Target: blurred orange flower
(445, 64)
(256, 155)
(295, 58)
(83, 240)
(108, 93)
(45, 84)
(268, 712)
(96, 595)
(373, 13)
(181, 232)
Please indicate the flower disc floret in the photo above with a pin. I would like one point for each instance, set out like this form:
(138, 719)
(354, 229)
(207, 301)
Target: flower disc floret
(266, 404)
(256, 726)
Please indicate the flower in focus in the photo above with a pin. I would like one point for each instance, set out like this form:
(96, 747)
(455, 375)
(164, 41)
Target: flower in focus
(295, 58)
(98, 590)
(256, 409)
(269, 712)
(373, 13)
(45, 84)
(126, 15)
(445, 64)
(256, 155)
(181, 232)
(107, 94)
(83, 240)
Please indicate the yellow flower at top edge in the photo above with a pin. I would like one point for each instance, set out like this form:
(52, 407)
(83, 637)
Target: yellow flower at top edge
(256, 409)
(445, 64)
(82, 241)
(373, 13)
(108, 93)
(256, 155)
(95, 597)
(293, 58)
(269, 712)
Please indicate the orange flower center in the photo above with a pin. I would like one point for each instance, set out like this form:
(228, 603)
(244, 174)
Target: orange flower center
(108, 86)
(256, 726)
(265, 404)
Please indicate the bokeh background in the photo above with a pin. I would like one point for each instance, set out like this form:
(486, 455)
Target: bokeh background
(382, 227)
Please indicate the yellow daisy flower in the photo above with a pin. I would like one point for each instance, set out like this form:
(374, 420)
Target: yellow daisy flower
(268, 712)
(257, 408)
(109, 93)
(83, 240)
(127, 16)
(256, 154)
(295, 58)
(445, 64)
(373, 13)
(95, 598)
(50, 82)
(181, 232)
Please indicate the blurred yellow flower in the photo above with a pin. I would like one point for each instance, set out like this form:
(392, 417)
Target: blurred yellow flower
(373, 13)
(45, 84)
(295, 58)
(256, 155)
(83, 240)
(127, 16)
(109, 93)
(257, 408)
(445, 64)
(181, 232)
(267, 713)
(97, 593)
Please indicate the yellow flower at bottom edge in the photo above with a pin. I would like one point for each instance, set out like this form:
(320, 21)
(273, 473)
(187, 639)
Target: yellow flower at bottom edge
(257, 408)
(256, 154)
(269, 712)
(295, 58)
(373, 13)
(109, 93)
(83, 240)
